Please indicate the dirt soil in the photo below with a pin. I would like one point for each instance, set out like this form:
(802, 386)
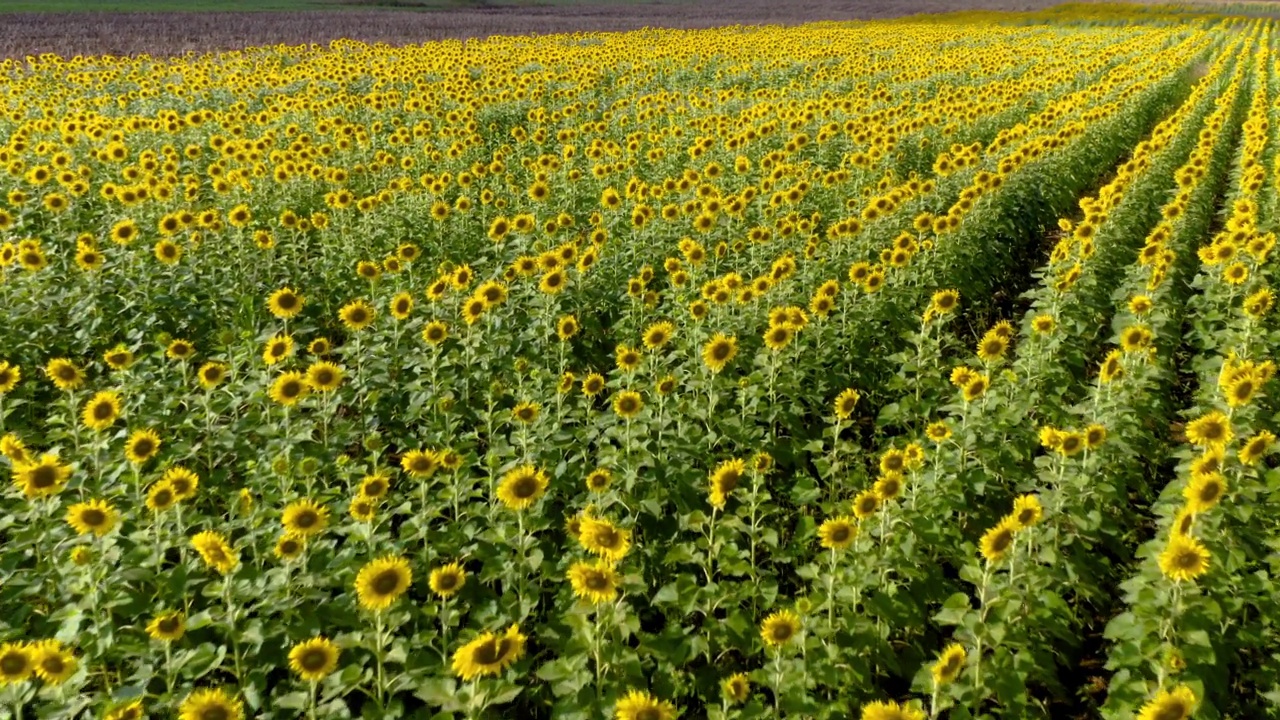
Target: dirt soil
(176, 33)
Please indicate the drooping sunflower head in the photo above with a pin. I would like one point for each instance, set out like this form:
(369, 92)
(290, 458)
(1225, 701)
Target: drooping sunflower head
(724, 480)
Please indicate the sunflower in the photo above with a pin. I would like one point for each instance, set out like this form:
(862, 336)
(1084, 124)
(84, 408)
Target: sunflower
(285, 303)
(846, 401)
(180, 350)
(211, 374)
(118, 357)
(420, 463)
(1095, 435)
(1259, 303)
(1184, 558)
(1256, 447)
(64, 374)
(1135, 338)
(472, 309)
(594, 582)
(168, 626)
(12, 447)
(1176, 704)
(305, 518)
(640, 705)
(161, 497)
(837, 533)
(1204, 491)
(736, 688)
(446, 581)
(976, 387)
(778, 337)
(1211, 430)
(488, 654)
(938, 431)
(1070, 443)
(949, 664)
(381, 582)
(521, 487)
(279, 347)
(288, 388)
(435, 332)
(1027, 511)
(94, 516)
(324, 376)
(53, 663)
(942, 303)
(42, 478)
(375, 486)
(1241, 389)
(890, 710)
(289, 546)
(314, 659)
(598, 480)
(525, 412)
(319, 347)
(211, 705)
(16, 663)
(724, 479)
(357, 315)
(215, 550)
(128, 711)
(553, 282)
(779, 628)
(9, 377)
(865, 504)
(626, 358)
(566, 327)
(592, 384)
(604, 539)
(658, 335)
(401, 305)
(719, 351)
(888, 486)
(182, 481)
(991, 348)
(1111, 367)
(627, 404)
(102, 410)
(997, 540)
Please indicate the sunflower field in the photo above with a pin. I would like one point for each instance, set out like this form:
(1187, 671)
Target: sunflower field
(895, 370)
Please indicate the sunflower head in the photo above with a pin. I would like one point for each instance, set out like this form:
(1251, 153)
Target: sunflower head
(314, 659)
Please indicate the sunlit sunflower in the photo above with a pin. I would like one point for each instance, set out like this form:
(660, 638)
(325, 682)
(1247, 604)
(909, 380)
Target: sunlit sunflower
(736, 688)
(12, 447)
(161, 497)
(289, 546)
(865, 504)
(640, 705)
(949, 664)
(401, 306)
(837, 533)
(420, 463)
(598, 480)
(180, 350)
(216, 551)
(489, 654)
(357, 315)
(780, 628)
(997, 540)
(277, 349)
(1184, 558)
(10, 375)
(128, 711)
(525, 412)
(375, 486)
(604, 539)
(845, 403)
(211, 374)
(168, 626)
(382, 581)
(657, 335)
(890, 710)
(1256, 447)
(435, 332)
(305, 518)
(211, 705)
(42, 478)
(1027, 511)
(446, 581)
(324, 376)
(1210, 430)
(566, 327)
(627, 404)
(64, 374)
(724, 479)
(288, 388)
(594, 582)
(521, 487)
(719, 351)
(285, 303)
(16, 663)
(182, 481)
(1176, 704)
(1204, 491)
(102, 410)
(314, 659)
(592, 384)
(95, 516)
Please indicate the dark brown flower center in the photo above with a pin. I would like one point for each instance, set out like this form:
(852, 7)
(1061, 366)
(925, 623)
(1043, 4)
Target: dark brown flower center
(386, 582)
(720, 351)
(103, 411)
(93, 517)
(13, 663)
(306, 519)
(525, 487)
(596, 581)
(313, 659)
(840, 533)
(44, 476)
(491, 652)
(168, 625)
(1002, 541)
